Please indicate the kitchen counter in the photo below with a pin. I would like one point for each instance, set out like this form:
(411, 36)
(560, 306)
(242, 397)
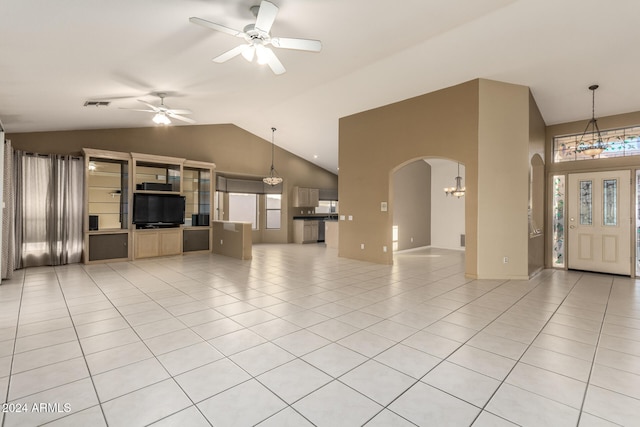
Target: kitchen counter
(317, 217)
(331, 234)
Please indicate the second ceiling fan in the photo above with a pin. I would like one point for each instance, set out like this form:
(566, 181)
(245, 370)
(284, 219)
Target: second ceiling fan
(258, 39)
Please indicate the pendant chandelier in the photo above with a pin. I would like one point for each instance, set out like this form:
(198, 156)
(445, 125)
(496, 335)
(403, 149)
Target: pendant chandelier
(273, 178)
(591, 142)
(457, 191)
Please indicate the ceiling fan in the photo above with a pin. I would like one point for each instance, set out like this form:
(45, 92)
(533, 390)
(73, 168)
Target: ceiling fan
(163, 112)
(258, 39)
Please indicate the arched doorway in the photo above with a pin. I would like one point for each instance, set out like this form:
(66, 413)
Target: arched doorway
(423, 214)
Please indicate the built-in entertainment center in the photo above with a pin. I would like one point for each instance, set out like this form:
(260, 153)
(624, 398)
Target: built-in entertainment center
(142, 205)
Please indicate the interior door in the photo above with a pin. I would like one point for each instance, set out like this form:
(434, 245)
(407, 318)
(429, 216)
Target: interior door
(600, 222)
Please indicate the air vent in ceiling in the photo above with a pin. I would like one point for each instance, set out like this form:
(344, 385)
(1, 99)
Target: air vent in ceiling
(96, 103)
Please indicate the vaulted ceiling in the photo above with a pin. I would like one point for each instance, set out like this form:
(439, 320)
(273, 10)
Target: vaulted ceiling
(55, 55)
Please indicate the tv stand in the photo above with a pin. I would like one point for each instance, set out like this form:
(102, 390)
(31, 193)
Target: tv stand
(154, 242)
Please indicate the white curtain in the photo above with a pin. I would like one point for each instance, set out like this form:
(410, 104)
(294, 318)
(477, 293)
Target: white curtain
(8, 224)
(49, 209)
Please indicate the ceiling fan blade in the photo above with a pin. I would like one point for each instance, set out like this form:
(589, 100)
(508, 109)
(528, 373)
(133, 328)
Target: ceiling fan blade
(137, 109)
(175, 111)
(184, 119)
(231, 53)
(153, 107)
(266, 15)
(299, 44)
(274, 63)
(217, 27)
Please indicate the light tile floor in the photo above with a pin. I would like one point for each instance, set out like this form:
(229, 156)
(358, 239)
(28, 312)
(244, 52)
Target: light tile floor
(300, 337)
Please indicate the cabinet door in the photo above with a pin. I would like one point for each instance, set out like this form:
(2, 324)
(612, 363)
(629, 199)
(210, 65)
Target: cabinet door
(195, 240)
(170, 242)
(303, 197)
(108, 246)
(308, 232)
(146, 245)
(314, 197)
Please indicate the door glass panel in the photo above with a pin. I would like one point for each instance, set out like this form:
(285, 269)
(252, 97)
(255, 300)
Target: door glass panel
(637, 233)
(586, 205)
(610, 201)
(558, 220)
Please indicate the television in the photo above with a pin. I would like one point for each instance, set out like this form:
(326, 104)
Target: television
(158, 210)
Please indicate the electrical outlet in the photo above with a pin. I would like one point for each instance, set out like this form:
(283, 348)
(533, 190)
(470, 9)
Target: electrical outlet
(220, 241)
(384, 249)
(505, 260)
(361, 245)
(412, 240)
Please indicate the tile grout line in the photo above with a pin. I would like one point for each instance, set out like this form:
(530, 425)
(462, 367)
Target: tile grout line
(15, 343)
(528, 347)
(84, 358)
(595, 353)
(462, 344)
(146, 346)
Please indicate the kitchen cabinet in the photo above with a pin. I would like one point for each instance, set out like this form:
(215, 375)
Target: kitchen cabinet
(304, 197)
(305, 231)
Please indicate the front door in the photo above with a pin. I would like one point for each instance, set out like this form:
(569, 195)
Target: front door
(600, 222)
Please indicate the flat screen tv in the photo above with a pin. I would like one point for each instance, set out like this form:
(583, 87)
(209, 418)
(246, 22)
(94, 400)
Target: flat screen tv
(160, 210)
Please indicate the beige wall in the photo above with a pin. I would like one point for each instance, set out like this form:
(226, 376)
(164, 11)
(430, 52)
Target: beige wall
(375, 143)
(412, 204)
(503, 180)
(537, 129)
(233, 150)
(482, 124)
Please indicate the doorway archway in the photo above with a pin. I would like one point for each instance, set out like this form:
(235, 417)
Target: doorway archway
(422, 213)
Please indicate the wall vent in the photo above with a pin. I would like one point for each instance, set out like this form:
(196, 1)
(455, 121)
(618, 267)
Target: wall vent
(96, 103)
(462, 240)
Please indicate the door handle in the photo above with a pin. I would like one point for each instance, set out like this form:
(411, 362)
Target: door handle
(572, 226)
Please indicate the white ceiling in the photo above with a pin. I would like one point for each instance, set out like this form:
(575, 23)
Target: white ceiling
(55, 55)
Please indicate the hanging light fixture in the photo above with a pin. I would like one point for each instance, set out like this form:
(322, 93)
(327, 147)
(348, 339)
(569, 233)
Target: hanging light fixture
(273, 178)
(591, 142)
(457, 191)
(161, 119)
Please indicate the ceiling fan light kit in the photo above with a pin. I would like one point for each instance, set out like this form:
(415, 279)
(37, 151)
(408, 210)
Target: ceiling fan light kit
(258, 38)
(161, 119)
(163, 113)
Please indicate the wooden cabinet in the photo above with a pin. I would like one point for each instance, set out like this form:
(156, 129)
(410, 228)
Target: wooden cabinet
(305, 231)
(304, 197)
(107, 201)
(152, 243)
(108, 246)
(196, 239)
(114, 180)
